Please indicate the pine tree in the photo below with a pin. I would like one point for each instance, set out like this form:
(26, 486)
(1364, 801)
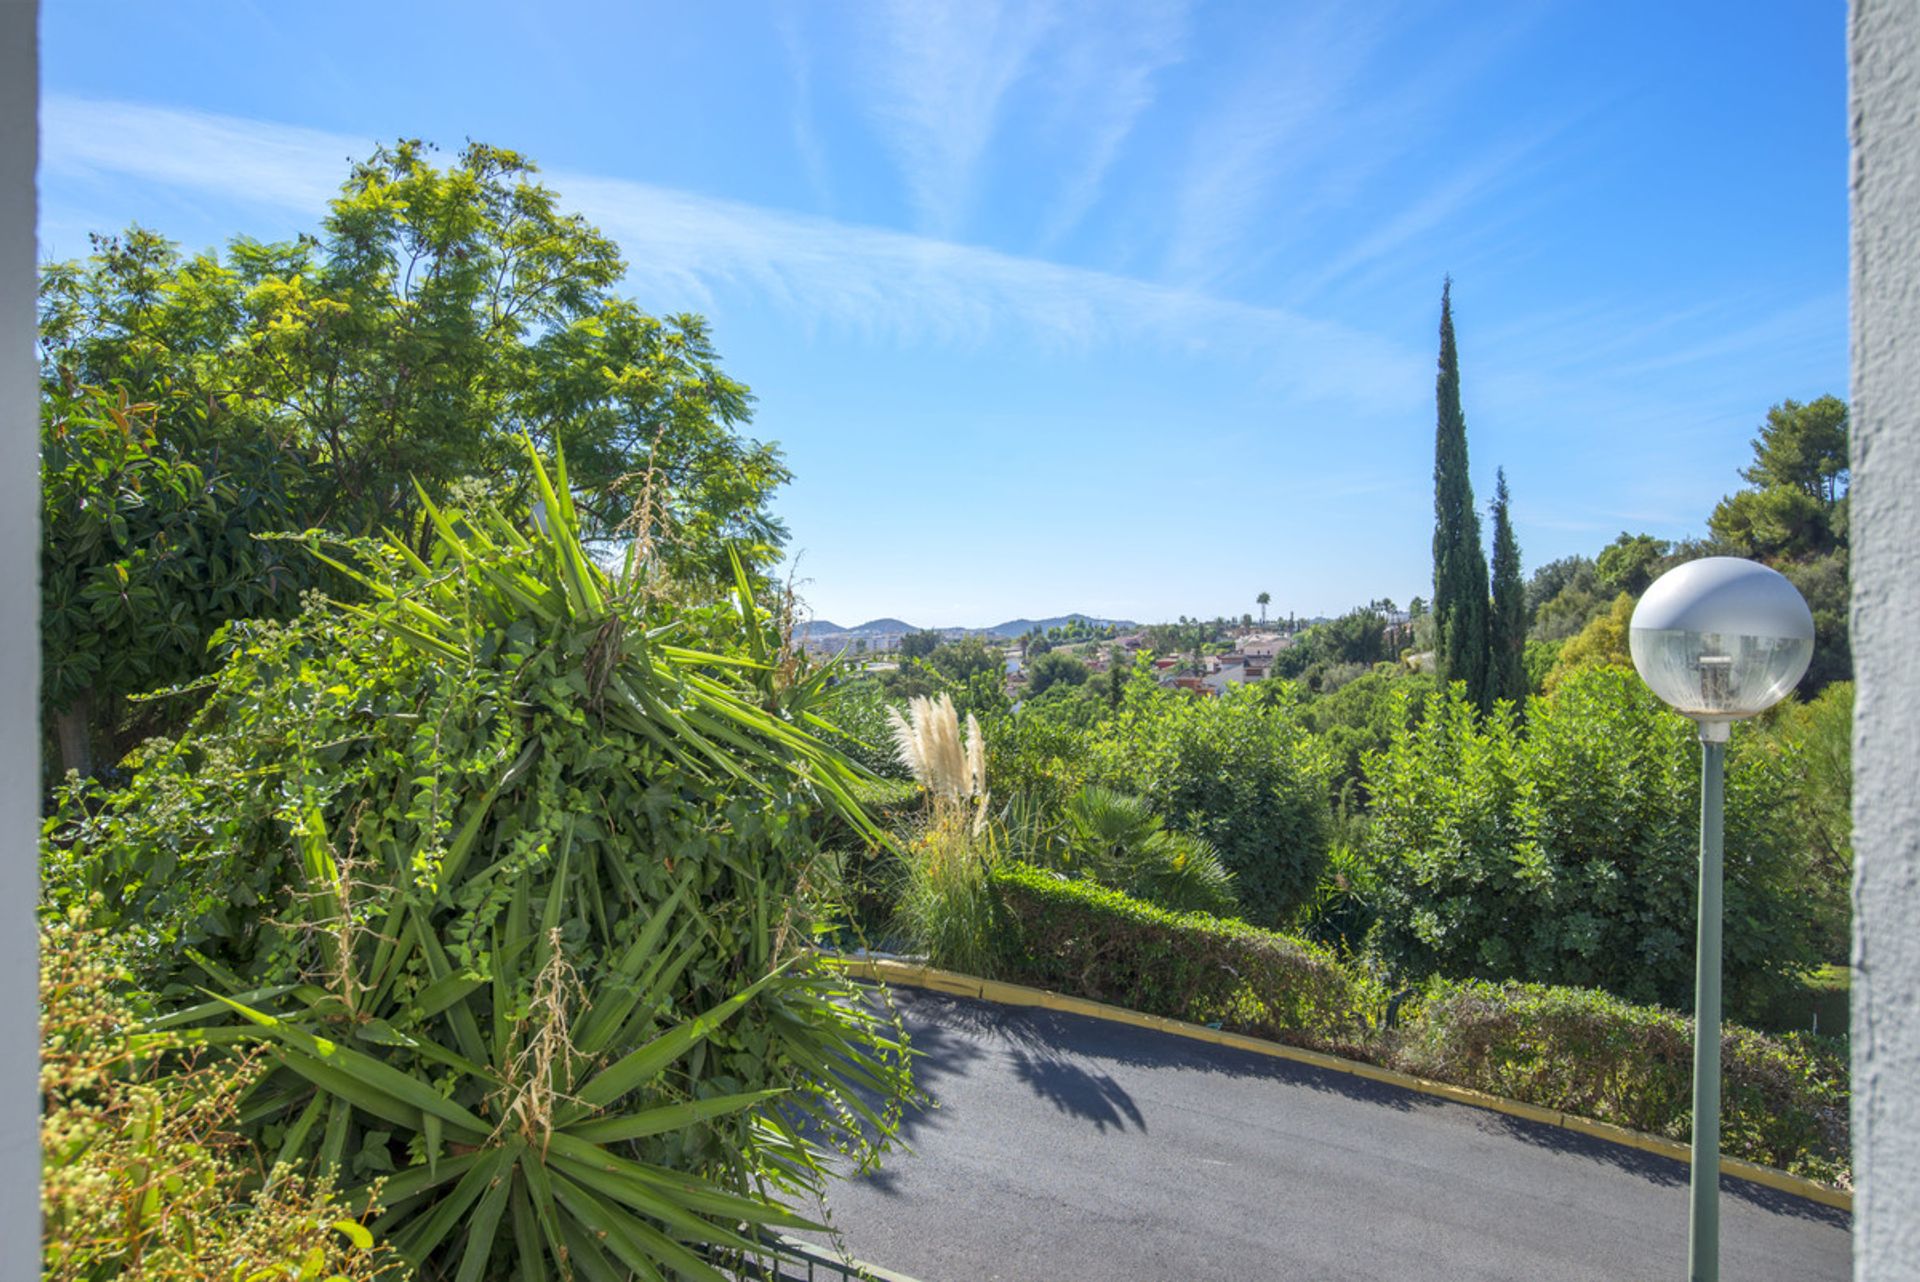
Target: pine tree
(1507, 626)
(1459, 566)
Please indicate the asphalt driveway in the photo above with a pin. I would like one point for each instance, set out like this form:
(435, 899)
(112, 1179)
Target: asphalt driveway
(1062, 1148)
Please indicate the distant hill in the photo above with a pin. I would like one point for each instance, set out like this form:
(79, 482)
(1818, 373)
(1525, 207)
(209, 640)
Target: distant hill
(1019, 627)
(824, 635)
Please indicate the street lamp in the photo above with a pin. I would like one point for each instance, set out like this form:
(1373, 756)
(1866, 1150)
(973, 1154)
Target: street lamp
(1720, 639)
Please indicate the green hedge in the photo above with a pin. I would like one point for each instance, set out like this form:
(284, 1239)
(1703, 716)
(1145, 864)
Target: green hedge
(1784, 1099)
(1079, 937)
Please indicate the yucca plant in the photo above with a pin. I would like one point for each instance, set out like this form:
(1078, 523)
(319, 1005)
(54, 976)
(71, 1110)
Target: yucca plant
(502, 865)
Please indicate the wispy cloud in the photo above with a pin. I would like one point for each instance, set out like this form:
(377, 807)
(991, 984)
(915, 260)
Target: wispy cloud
(1264, 129)
(1457, 192)
(942, 70)
(806, 137)
(254, 161)
(1102, 83)
(694, 251)
(1306, 129)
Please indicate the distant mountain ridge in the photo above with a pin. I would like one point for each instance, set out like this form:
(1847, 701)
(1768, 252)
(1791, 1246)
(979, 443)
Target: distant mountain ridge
(820, 631)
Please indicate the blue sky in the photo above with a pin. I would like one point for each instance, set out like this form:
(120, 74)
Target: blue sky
(1126, 308)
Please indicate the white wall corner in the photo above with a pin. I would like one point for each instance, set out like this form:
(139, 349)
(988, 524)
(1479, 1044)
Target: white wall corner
(1885, 124)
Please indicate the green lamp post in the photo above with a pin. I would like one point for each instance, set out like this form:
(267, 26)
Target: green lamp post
(1720, 639)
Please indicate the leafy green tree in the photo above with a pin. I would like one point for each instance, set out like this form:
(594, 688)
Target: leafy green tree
(918, 645)
(1800, 471)
(438, 313)
(1263, 601)
(1803, 447)
(1056, 669)
(970, 656)
(1603, 643)
(1631, 562)
(148, 513)
(1361, 717)
(1459, 566)
(1567, 855)
(1827, 587)
(1241, 771)
(1507, 621)
(1549, 580)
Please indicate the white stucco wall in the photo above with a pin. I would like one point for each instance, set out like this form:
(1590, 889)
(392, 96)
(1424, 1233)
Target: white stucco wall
(1885, 116)
(19, 648)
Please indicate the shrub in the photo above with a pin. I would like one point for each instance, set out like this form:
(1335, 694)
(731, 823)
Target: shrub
(1783, 1100)
(1081, 938)
(1568, 855)
(1117, 841)
(943, 903)
(1240, 771)
(857, 711)
(1038, 753)
(508, 870)
(144, 1172)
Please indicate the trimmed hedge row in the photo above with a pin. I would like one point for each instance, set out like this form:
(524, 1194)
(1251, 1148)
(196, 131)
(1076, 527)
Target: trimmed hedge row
(1784, 1100)
(1078, 937)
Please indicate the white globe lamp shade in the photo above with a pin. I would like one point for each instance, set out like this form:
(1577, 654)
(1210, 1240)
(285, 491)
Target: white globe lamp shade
(1721, 638)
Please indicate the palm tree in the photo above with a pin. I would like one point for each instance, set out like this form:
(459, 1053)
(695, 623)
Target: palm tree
(1263, 598)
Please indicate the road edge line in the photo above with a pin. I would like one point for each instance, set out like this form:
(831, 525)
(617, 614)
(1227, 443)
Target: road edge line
(912, 975)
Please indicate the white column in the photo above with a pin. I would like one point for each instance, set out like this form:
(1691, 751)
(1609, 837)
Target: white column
(1885, 123)
(19, 647)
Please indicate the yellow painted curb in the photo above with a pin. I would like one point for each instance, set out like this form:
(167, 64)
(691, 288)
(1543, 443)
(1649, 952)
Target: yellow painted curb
(910, 975)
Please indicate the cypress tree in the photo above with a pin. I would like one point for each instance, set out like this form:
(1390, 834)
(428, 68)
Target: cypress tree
(1459, 566)
(1507, 627)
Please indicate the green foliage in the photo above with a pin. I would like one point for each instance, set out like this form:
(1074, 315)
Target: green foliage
(1825, 583)
(1539, 659)
(1054, 669)
(143, 1171)
(1507, 612)
(147, 517)
(944, 905)
(506, 864)
(918, 645)
(1362, 716)
(1240, 771)
(1563, 597)
(1568, 855)
(1331, 654)
(1077, 937)
(1803, 447)
(1603, 643)
(1459, 566)
(1040, 753)
(1783, 1100)
(1119, 842)
(1631, 562)
(440, 312)
(857, 709)
(968, 671)
(1815, 741)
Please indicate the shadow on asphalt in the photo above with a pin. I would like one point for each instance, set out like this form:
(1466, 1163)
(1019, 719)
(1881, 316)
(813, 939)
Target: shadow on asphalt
(1050, 1050)
(1665, 1170)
